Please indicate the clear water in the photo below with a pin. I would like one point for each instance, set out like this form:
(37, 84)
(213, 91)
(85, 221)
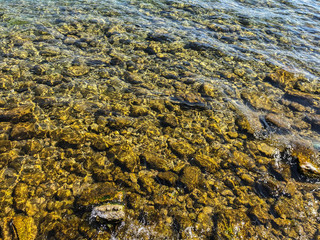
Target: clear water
(232, 46)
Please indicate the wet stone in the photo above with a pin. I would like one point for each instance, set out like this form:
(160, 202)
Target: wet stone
(170, 120)
(132, 78)
(278, 121)
(5, 145)
(137, 111)
(266, 149)
(69, 138)
(308, 159)
(50, 51)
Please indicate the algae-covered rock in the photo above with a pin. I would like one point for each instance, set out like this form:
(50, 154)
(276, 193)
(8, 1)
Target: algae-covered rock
(181, 147)
(68, 137)
(125, 156)
(98, 194)
(22, 131)
(231, 224)
(169, 178)
(170, 120)
(308, 159)
(137, 111)
(5, 145)
(191, 177)
(20, 114)
(25, 227)
(155, 161)
(205, 162)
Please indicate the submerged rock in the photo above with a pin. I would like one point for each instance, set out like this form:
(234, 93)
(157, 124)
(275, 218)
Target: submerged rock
(191, 177)
(308, 159)
(109, 212)
(26, 228)
(20, 114)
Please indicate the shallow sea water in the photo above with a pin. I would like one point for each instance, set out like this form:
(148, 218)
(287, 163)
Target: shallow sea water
(159, 119)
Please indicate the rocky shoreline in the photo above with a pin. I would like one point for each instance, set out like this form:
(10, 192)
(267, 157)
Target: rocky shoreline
(109, 131)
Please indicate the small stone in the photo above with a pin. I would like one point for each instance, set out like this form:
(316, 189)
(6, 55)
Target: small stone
(208, 90)
(5, 145)
(124, 155)
(133, 78)
(69, 138)
(50, 51)
(109, 212)
(39, 70)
